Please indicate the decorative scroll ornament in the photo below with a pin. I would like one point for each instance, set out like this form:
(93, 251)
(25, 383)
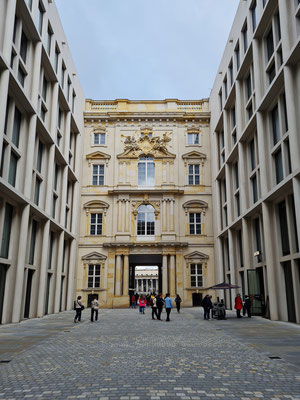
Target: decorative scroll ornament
(153, 146)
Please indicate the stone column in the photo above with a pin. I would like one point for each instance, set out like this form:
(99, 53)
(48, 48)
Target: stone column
(172, 215)
(172, 275)
(43, 270)
(29, 156)
(118, 276)
(19, 280)
(72, 274)
(165, 274)
(60, 254)
(126, 275)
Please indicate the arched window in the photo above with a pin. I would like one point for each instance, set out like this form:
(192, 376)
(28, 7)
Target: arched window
(146, 171)
(145, 220)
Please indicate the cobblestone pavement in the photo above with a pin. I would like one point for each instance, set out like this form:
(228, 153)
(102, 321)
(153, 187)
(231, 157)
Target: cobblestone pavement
(129, 356)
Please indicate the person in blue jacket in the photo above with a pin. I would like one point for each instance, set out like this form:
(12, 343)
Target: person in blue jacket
(168, 305)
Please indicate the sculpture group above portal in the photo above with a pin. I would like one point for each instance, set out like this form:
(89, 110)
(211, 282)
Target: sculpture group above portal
(146, 145)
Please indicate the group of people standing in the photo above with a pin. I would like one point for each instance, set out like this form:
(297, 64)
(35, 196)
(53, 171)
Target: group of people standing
(240, 305)
(156, 302)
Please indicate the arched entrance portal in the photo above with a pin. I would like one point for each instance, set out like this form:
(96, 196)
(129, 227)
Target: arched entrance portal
(145, 260)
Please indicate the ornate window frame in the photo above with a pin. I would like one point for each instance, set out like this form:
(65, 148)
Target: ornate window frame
(195, 206)
(194, 158)
(93, 258)
(95, 207)
(100, 131)
(193, 131)
(196, 257)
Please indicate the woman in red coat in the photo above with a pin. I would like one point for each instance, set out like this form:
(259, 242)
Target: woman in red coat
(238, 305)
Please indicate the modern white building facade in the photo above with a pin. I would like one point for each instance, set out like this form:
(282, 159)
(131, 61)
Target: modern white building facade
(255, 125)
(41, 117)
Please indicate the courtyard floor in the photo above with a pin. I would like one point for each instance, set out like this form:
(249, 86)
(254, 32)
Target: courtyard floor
(126, 355)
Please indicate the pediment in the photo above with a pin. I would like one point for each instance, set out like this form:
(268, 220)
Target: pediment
(195, 204)
(98, 155)
(94, 256)
(196, 255)
(96, 204)
(193, 154)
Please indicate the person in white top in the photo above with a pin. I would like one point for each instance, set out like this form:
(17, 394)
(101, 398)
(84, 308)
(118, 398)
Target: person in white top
(94, 309)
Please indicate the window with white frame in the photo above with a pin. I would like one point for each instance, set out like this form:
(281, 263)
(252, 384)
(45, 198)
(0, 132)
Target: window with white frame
(196, 275)
(146, 170)
(145, 220)
(94, 276)
(98, 174)
(96, 224)
(194, 174)
(193, 138)
(195, 223)
(99, 138)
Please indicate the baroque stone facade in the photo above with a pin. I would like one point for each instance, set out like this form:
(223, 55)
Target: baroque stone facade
(145, 199)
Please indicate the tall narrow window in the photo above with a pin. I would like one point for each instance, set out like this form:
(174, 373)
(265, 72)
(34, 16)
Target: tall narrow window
(56, 58)
(8, 217)
(16, 127)
(23, 47)
(254, 15)
(32, 242)
(63, 71)
(96, 224)
(252, 154)
(146, 171)
(257, 239)
(98, 175)
(44, 88)
(284, 233)
(194, 174)
(195, 224)
(94, 276)
(275, 124)
(278, 166)
(39, 156)
(254, 189)
(37, 191)
(49, 39)
(245, 38)
(270, 44)
(240, 248)
(145, 220)
(40, 18)
(237, 57)
(12, 169)
(196, 275)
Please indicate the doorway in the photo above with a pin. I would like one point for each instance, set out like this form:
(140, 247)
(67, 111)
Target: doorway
(141, 263)
(146, 279)
(28, 293)
(197, 299)
(289, 290)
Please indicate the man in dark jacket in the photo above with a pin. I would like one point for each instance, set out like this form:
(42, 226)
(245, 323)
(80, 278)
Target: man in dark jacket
(207, 305)
(248, 305)
(159, 304)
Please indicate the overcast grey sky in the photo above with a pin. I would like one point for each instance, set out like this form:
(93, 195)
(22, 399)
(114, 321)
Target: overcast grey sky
(147, 49)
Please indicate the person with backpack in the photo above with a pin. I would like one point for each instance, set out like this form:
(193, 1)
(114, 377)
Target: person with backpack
(142, 304)
(207, 305)
(154, 307)
(178, 301)
(159, 305)
(78, 306)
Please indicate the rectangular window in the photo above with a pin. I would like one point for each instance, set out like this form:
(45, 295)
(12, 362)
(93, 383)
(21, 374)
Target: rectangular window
(195, 224)
(278, 166)
(240, 248)
(63, 70)
(233, 118)
(236, 175)
(275, 124)
(39, 156)
(16, 127)
(32, 242)
(40, 19)
(94, 276)
(254, 189)
(193, 138)
(196, 275)
(37, 191)
(49, 39)
(98, 175)
(270, 44)
(54, 201)
(237, 57)
(51, 244)
(237, 204)
(56, 172)
(23, 47)
(21, 75)
(231, 73)
(284, 233)
(245, 38)
(99, 138)
(254, 15)
(252, 154)
(96, 224)
(73, 102)
(194, 174)
(249, 87)
(8, 217)
(225, 88)
(69, 89)
(271, 73)
(56, 58)
(12, 169)
(284, 111)
(44, 88)
(146, 171)
(257, 239)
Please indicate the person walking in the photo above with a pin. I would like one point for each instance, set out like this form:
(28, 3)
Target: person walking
(78, 308)
(178, 301)
(94, 309)
(207, 305)
(142, 304)
(248, 306)
(133, 301)
(168, 306)
(159, 305)
(238, 305)
(154, 307)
